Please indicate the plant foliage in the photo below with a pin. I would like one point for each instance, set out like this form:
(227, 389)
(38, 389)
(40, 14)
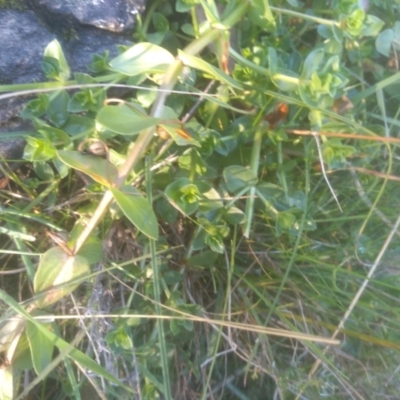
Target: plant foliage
(211, 211)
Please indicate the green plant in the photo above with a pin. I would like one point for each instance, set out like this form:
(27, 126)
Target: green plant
(235, 215)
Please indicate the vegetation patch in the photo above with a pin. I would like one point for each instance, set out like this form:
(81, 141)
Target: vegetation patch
(211, 213)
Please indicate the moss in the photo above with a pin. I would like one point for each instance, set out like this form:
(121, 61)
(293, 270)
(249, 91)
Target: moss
(13, 4)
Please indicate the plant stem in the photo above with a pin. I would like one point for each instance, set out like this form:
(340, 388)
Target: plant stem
(311, 18)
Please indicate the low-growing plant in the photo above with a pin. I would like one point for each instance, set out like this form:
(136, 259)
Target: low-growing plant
(209, 224)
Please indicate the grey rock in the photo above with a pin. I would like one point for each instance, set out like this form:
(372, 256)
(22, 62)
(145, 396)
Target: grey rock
(111, 15)
(23, 39)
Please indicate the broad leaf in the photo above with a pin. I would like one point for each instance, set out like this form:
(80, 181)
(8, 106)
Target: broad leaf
(238, 178)
(123, 120)
(142, 58)
(100, 169)
(138, 210)
(56, 270)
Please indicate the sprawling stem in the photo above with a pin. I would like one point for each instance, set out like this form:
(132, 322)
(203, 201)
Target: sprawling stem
(145, 137)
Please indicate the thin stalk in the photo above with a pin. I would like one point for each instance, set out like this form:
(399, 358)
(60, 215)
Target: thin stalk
(157, 295)
(254, 165)
(306, 17)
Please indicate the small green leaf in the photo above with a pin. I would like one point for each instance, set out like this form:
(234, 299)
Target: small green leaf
(57, 110)
(36, 107)
(54, 50)
(285, 221)
(57, 268)
(372, 25)
(238, 178)
(53, 135)
(123, 120)
(100, 169)
(174, 326)
(312, 63)
(234, 216)
(204, 259)
(353, 23)
(184, 195)
(43, 170)
(142, 58)
(160, 22)
(383, 42)
(38, 149)
(78, 125)
(138, 210)
(325, 31)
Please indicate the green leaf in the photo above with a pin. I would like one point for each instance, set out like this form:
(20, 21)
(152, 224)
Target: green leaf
(36, 107)
(204, 259)
(174, 327)
(138, 210)
(53, 135)
(54, 50)
(99, 169)
(234, 216)
(272, 61)
(198, 63)
(160, 22)
(209, 199)
(353, 23)
(57, 110)
(123, 120)
(325, 31)
(312, 63)
(238, 178)
(41, 347)
(142, 58)
(184, 195)
(38, 149)
(78, 125)
(92, 250)
(57, 268)
(383, 42)
(285, 221)
(372, 25)
(261, 7)
(43, 170)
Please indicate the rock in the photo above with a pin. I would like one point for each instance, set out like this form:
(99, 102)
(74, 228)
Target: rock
(83, 27)
(23, 40)
(111, 15)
